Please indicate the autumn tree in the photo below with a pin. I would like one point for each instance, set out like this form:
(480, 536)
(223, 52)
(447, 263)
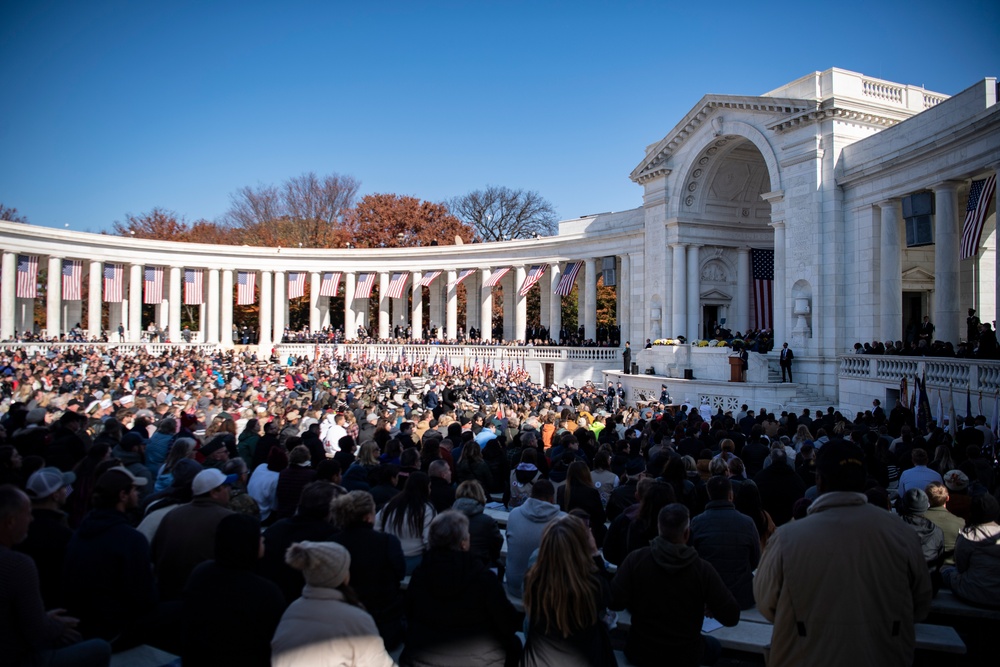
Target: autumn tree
(500, 213)
(157, 224)
(11, 215)
(306, 210)
(389, 221)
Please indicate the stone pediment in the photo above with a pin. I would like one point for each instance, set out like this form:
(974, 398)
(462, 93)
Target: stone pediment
(917, 274)
(654, 164)
(716, 295)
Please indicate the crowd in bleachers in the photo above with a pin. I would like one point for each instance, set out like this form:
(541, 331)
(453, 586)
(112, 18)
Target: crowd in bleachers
(151, 480)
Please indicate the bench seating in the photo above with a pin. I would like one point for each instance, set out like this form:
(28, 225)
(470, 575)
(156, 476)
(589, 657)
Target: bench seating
(947, 604)
(143, 656)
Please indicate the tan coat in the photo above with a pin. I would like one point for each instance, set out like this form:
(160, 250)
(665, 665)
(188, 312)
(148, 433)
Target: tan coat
(843, 586)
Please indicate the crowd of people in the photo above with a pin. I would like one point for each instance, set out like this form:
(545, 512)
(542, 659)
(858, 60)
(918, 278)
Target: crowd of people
(145, 499)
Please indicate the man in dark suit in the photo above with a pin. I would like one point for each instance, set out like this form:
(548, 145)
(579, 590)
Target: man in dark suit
(627, 358)
(786, 362)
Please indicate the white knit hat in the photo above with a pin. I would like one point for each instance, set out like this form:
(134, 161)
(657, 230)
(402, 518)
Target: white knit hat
(323, 564)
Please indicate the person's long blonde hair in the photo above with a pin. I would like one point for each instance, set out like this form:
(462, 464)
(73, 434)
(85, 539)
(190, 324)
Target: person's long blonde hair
(560, 590)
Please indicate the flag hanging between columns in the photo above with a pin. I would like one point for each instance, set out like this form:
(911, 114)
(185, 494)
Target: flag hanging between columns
(114, 283)
(465, 273)
(296, 284)
(72, 280)
(534, 275)
(363, 290)
(246, 283)
(497, 277)
(27, 276)
(330, 283)
(763, 287)
(429, 278)
(980, 195)
(568, 279)
(396, 285)
(194, 295)
(153, 283)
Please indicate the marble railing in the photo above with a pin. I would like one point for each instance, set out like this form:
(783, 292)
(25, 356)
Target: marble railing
(126, 348)
(975, 374)
(454, 354)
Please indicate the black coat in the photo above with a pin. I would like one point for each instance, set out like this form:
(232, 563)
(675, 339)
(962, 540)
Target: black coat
(780, 486)
(589, 500)
(277, 538)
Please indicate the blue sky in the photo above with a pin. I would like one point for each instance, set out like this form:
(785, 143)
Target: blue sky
(118, 107)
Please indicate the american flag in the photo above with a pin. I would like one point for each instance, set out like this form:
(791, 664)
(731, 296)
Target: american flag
(763, 287)
(463, 274)
(363, 290)
(980, 195)
(194, 295)
(296, 284)
(568, 279)
(27, 276)
(153, 283)
(534, 275)
(330, 283)
(396, 285)
(246, 283)
(114, 283)
(429, 278)
(497, 277)
(72, 280)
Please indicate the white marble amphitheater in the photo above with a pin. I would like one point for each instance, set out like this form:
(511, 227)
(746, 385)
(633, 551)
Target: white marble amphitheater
(821, 170)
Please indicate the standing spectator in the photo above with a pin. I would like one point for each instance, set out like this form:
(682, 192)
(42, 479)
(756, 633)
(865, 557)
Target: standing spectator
(565, 598)
(579, 492)
(486, 540)
(669, 624)
(728, 540)
(442, 490)
(291, 481)
(327, 625)
(49, 533)
(408, 516)
(950, 525)
(879, 568)
(524, 532)
(243, 634)
(919, 476)
(780, 486)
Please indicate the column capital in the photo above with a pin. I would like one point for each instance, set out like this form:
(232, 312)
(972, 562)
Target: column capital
(743, 249)
(777, 224)
(947, 186)
(892, 202)
(773, 197)
(678, 245)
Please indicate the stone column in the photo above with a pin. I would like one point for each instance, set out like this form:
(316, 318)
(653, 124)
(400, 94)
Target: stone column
(472, 295)
(266, 303)
(278, 315)
(555, 302)
(174, 319)
(72, 313)
(315, 316)
(520, 304)
(624, 294)
(451, 304)
(890, 272)
(8, 295)
(350, 318)
(693, 292)
(509, 331)
(417, 305)
(947, 286)
(544, 298)
(590, 300)
(486, 306)
(53, 298)
(679, 277)
(134, 303)
(226, 325)
(212, 307)
(434, 292)
(96, 283)
(781, 310)
(383, 305)
(741, 304)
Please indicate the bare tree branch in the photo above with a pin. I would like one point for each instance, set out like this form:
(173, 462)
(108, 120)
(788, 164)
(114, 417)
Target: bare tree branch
(11, 215)
(499, 213)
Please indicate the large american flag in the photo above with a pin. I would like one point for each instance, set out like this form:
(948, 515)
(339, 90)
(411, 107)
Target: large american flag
(329, 283)
(27, 276)
(534, 275)
(363, 290)
(194, 294)
(72, 280)
(496, 277)
(762, 262)
(429, 278)
(980, 196)
(153, 283)
(396, 285)
(568, 279)
(246, 283)
(114, 283)
(463, 274)
(296, 284)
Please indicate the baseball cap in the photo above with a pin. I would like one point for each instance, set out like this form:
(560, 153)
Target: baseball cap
(46, 481)
(118, 479)
(209, 479)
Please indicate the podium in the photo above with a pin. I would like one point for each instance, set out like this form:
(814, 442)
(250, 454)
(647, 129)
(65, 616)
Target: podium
(735, 369)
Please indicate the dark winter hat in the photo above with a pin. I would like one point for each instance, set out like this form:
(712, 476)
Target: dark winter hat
(915, 501)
